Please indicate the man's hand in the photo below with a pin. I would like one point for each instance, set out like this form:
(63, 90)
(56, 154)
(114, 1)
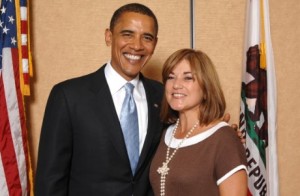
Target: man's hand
(226, 118)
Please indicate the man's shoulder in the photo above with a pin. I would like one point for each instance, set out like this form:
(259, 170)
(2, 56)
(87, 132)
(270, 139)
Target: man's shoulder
(82, 80)
(151, 82)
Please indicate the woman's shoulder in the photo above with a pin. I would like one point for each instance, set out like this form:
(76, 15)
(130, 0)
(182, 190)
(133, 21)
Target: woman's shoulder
(227, 132)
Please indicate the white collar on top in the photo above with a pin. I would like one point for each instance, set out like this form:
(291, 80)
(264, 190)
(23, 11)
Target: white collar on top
(192, 140)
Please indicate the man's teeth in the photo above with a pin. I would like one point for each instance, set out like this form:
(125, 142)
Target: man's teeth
(132, 57)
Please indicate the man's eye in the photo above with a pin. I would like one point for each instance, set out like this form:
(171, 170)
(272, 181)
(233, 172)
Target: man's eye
(148, 38)
(126, 35)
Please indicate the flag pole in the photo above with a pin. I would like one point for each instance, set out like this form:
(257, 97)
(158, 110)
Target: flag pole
(192, 23)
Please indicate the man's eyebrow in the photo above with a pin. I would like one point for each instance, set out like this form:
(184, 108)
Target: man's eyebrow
(126, 31)
(132, 32)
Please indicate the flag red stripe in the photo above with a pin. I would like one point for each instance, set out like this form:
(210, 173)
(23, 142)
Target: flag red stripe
(15, 57)
(24, 52)
(249, 193)
(8, 155)
(26, 78)
(24, 27)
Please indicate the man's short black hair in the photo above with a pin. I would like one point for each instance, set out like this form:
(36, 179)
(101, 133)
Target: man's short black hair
(132, 7)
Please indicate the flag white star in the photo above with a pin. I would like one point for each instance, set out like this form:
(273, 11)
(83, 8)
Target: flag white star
(13, 41)
(3, 10)
(11, 19)
(1, 24)
(5, 30)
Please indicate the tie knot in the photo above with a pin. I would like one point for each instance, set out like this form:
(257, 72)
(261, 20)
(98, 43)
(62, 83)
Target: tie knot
(129, 88)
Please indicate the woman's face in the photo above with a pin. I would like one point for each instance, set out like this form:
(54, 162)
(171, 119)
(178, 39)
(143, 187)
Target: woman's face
(182, 88)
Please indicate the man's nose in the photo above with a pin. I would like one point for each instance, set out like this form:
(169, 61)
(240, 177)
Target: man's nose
(137, 43)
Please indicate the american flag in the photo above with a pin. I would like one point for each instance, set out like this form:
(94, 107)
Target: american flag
(15, 165)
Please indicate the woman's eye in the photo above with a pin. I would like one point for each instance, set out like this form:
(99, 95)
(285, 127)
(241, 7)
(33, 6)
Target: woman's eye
(189, 78)
(170, 77)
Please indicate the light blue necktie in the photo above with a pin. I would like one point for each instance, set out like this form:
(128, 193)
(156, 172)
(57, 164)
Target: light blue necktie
(130, 127)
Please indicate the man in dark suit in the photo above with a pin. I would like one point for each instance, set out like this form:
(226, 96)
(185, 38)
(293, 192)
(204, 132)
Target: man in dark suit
(82, 150)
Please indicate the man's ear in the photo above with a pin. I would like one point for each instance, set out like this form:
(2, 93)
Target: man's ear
(108, 37)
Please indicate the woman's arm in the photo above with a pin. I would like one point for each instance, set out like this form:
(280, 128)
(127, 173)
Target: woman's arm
(235, 185)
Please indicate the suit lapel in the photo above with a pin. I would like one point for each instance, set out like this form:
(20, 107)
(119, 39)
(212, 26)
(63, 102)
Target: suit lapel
(106, 109)
(154, 126)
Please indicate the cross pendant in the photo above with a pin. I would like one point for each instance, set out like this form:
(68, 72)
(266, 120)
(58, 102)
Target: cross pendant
(163, 170)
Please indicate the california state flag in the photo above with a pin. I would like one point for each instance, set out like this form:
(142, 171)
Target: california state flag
(258, 102)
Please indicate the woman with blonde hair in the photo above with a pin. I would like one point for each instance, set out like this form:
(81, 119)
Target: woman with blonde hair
(199, 154)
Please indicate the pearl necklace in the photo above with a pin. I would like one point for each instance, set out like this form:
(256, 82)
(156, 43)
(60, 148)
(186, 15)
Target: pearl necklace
(164, 169)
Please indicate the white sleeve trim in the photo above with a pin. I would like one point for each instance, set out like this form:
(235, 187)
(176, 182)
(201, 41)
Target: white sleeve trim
(240, 167)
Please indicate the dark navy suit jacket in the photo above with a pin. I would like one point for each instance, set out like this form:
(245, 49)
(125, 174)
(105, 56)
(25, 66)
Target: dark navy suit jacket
(82, 150)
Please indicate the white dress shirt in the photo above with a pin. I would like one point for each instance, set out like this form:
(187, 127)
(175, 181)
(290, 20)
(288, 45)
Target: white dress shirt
(116, 86)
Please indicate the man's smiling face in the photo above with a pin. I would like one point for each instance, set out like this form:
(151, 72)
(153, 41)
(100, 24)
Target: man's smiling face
(132, 40)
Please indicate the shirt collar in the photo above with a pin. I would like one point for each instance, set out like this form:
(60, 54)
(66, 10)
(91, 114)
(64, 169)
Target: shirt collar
(116, 81)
